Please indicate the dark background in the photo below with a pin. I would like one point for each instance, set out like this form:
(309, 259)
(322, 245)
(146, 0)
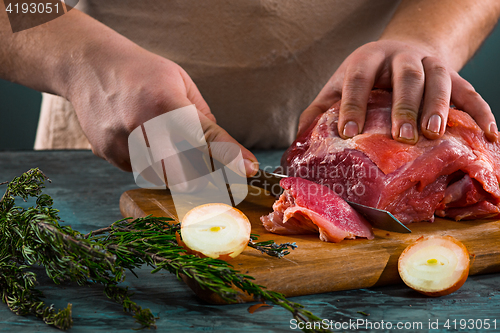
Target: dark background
(19, 106)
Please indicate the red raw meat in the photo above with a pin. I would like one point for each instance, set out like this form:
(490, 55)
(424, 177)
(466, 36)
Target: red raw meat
(306, 207)
(456, 176)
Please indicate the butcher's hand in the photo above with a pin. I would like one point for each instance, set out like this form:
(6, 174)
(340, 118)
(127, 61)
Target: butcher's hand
(418, 56)
(114, 84)
(421, 83)
(117, 90)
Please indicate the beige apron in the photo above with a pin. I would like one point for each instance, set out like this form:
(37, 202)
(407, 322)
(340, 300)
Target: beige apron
(258, 64)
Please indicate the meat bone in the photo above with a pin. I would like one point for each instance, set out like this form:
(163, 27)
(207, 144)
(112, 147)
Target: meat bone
(378, 218)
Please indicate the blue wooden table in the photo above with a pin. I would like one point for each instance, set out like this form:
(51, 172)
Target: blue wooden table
(86, 190)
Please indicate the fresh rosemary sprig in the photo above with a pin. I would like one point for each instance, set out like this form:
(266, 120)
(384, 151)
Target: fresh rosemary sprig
(270, 247)
(34, 236)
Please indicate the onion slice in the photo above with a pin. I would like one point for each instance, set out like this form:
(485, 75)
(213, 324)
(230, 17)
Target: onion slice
(435, 265)
(216, 230)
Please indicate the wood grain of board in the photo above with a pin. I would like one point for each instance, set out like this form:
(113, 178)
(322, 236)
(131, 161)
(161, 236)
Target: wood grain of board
(318, 267)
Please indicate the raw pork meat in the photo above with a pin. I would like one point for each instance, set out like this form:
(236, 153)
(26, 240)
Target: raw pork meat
(456, 176)
(306, 207)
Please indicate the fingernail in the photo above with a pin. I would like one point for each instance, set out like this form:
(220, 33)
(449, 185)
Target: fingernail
(434, 124)
(493, 128)
(493, 132)
(247, 167)
(406, 131)
(350, 129)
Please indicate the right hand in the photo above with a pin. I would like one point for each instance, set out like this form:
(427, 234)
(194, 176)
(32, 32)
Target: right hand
(118, 88)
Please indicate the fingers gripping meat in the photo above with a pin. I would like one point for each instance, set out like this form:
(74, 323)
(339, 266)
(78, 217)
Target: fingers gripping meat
(456, 176)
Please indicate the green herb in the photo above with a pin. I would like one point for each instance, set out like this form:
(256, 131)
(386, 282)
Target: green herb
(270, 247)
(34, 236)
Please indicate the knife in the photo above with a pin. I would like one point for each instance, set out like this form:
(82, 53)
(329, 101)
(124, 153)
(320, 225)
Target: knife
(378, 218)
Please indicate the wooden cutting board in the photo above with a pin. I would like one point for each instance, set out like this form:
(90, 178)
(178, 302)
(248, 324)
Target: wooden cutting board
(318, 267)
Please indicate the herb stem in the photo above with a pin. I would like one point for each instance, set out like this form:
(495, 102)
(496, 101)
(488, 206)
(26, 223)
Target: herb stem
(34, 236)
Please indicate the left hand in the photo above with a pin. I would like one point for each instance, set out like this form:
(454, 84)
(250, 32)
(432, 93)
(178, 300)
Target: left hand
(423, 87)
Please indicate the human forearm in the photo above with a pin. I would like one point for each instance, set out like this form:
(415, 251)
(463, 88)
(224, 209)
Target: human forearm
(453, 29)
(418, 56)
(49, 57)
(113, 84)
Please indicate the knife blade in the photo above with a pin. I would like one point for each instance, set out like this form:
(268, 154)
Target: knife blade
(378, 218)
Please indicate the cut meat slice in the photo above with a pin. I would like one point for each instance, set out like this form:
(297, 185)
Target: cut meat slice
(307, 207)
(456, 176)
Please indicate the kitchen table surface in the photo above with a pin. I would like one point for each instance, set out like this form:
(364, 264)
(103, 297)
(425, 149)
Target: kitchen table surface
(87, 189)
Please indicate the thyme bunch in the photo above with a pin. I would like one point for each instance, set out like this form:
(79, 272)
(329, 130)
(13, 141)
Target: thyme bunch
(34, 236)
